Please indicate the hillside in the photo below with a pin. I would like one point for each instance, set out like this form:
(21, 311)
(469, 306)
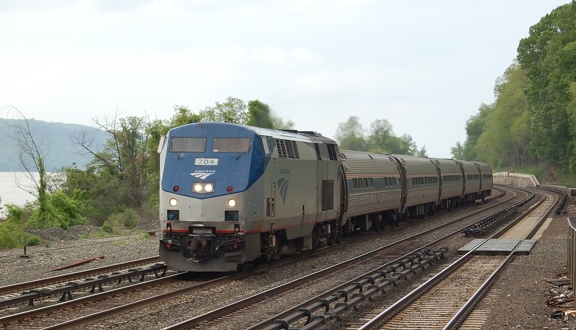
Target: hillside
(55, 141)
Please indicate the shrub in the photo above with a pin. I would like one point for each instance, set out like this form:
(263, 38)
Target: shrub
(107, 227)
(32, 240)
(61, 211)
(12, 236)
(130, 219)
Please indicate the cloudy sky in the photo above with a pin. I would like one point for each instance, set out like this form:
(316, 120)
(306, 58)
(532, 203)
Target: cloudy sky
(425, 66)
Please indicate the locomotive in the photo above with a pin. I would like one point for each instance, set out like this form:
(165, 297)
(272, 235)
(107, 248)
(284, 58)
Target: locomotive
(232, 195)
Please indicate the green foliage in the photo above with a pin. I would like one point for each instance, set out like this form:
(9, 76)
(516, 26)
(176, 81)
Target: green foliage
(183, 116)
(33, 240)
(12, 233)
(381, 138)
(351, 135)
(61, 211)
(534, 116)
(97, 191)
(504, 139)
(547, 57)
(131, 219)
(107, 227)
(475, 126)
(260, 115)
(233, 110)
(127, 218)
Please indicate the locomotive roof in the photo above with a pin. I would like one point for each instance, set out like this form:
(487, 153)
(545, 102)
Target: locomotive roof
(305, 136)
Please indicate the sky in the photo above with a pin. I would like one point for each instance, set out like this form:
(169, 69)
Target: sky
(424, 66)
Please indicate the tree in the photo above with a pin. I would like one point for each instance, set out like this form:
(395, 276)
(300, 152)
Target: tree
(31, 157)
(409, 146)
(572, 118)
(548, 57)
(183, 116)
(381, 138)
(505, 139)
(121, 175)
(422, 152)
(259, 115)
(51, 209)
(458, 151)
(232, 111)
(350, 135)
(475, 126)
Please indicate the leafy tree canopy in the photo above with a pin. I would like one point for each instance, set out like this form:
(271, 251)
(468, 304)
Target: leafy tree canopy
(548, 58)
(381, 138)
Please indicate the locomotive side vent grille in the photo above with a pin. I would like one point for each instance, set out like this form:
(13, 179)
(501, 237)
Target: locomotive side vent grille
(281, 146)
(287, 149)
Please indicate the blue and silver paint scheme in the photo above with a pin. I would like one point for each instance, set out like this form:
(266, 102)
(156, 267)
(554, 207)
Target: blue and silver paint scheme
(273, 177)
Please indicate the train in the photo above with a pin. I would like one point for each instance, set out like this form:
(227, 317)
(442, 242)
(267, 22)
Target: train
(234, 195)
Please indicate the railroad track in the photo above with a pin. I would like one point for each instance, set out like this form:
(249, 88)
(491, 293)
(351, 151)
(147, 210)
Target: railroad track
(70, 286)
(446, 300)
(231, 315)
(64, 278)
(111, 311)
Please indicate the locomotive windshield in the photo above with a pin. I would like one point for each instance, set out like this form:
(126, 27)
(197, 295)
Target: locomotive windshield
(187, 144)
(198, 144)
(231, 145)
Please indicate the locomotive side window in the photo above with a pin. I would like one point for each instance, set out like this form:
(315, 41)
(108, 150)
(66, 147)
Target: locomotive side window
(265, 145)
(332, 152)
(187, 144)
(231, 145)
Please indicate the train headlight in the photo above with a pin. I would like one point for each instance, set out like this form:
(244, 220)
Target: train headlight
(198, 187)
(231, 203)
(173, 202)
(203, 187)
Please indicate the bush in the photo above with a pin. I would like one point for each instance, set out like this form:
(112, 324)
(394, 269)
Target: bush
(12, 233)
(60, 210)
(32, 240)
(130, 219)
(107, 227)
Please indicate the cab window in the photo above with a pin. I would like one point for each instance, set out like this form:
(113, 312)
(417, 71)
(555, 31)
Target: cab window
(187, 144)
(231, 145)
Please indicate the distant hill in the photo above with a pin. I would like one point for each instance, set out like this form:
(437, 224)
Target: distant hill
(55, 141)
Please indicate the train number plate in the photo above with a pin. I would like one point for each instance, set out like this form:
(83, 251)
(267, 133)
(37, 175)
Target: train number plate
(206, 161)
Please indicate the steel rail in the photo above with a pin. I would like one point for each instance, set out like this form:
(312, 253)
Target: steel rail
(77, 275)
(342, 291)
(459, 317)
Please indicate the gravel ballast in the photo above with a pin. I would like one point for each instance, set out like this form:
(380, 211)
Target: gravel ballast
(518, 299)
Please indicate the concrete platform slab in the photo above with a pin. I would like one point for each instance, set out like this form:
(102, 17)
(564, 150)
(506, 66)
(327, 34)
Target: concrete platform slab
(498, 246)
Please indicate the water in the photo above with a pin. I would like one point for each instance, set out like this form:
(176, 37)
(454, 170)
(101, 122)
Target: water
(14, 189)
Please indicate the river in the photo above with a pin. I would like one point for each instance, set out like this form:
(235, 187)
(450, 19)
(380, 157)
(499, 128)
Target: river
(14, 189)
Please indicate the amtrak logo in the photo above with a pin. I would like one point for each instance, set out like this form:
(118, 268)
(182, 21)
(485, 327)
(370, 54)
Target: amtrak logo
(202, 175)
(283, 185)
